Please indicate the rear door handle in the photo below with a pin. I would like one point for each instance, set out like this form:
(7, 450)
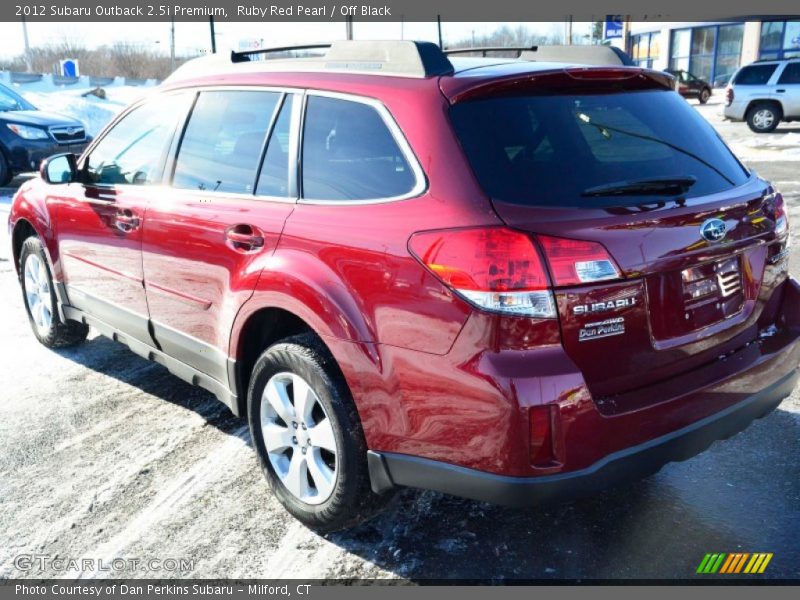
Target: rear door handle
(781, 91)
(244, 237)
(126, 220)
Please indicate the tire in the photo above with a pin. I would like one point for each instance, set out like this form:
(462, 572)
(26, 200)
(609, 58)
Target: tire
(5, 171)
(38, 294)
(763, 117)
(705, 94)
(327, 491)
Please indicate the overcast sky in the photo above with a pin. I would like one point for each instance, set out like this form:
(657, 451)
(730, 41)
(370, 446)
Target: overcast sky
(189, 37)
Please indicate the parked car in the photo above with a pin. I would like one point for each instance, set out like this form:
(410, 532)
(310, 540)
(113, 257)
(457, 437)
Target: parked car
(764, 94)
(691, 86)
(28, 135)
(512, 281)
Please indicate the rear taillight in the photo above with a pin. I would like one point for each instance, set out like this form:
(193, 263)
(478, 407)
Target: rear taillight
(775, 207)
(497, 269)
(573, 262)
(729, 96)
(501, 270)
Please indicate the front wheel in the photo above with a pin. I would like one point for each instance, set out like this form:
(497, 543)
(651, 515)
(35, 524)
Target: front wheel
(705, 94)
(763, 118)
(40, 300)
(308, 436)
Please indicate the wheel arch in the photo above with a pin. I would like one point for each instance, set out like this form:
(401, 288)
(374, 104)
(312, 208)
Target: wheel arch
(774, 101)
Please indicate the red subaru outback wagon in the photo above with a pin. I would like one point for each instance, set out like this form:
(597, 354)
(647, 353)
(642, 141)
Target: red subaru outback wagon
(505, 280)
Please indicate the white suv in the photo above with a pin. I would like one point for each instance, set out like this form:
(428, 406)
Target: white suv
(764, 93)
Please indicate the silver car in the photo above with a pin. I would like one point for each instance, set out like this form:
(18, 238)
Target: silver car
(764, 93)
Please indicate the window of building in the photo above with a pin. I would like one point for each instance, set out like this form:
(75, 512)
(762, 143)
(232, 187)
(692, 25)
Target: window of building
(350, 154)
(779, 39)
(221, 148)
(680, 50)
(645, 49)
(712, 53)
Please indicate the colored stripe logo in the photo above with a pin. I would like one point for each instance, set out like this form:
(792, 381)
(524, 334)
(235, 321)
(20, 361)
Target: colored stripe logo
(732, 563)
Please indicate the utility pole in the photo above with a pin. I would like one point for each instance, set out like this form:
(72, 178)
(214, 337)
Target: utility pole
(568, 35)
(439, 28)
(172, 44)
(213, 36)
(349, 26)
(27, 44)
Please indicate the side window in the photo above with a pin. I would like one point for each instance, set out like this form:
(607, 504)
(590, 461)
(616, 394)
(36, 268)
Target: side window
(222, 144)
(791, 73)
(274, 177)
(133, 151)
(755, 75)
(350, 154)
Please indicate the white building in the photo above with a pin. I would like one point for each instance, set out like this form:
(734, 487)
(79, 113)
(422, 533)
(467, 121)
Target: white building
(711, 51)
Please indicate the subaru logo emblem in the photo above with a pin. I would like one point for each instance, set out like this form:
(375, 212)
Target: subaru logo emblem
(713, 230)
(70, 130)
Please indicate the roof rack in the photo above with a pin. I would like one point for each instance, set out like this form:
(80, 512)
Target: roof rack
(484, 50)
(392, 58)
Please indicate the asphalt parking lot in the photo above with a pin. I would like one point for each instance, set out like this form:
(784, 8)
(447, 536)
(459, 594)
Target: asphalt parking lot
(105, 455)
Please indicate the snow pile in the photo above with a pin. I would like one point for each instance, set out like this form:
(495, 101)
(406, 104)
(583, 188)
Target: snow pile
(92, 111)
(768, 147)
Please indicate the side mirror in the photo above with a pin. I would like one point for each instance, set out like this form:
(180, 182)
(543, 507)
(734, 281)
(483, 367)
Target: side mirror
(60, 168)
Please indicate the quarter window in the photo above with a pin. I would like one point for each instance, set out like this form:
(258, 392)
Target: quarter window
(134, 150)
(754, 75)
(222, 145)
(791, 73)
(350, 154)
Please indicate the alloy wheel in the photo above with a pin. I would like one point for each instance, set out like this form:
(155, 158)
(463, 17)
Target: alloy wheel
(37, 293)
(299, 438)
(763, 119)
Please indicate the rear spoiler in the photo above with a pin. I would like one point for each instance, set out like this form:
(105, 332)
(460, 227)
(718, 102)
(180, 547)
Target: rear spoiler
(563, 80)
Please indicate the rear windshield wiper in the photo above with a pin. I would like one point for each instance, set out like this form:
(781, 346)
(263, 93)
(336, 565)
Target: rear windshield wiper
(656, 186)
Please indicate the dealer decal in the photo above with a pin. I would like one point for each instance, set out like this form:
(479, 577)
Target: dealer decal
(602, 329)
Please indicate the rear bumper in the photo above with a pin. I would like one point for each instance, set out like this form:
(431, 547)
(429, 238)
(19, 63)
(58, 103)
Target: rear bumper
(598, 450)
(388, 469)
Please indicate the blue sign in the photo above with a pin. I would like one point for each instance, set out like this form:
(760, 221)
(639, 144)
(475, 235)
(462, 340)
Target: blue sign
(613, 28)
(69, 68)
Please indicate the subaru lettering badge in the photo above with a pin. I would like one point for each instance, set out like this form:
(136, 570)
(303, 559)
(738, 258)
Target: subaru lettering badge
(713, 230)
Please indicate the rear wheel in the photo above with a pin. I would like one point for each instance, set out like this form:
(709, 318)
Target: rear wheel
(308, 436)
(40, 300)
(705, 94)
(763, 118)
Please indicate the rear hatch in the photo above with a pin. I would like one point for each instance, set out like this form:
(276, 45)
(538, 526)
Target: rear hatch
(612, 157)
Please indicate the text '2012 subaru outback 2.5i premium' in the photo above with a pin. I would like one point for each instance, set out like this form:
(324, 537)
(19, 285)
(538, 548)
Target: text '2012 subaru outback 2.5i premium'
(505, 280)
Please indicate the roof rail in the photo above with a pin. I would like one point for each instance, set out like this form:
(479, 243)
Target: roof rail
(392, 58)
(249, 55)
(484, 50)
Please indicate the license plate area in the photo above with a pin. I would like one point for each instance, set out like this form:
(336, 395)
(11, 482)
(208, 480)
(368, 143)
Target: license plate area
(696, 297)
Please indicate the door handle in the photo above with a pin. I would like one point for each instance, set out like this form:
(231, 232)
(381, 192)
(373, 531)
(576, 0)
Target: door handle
(126, 221)
(781, 91)
(244, 237)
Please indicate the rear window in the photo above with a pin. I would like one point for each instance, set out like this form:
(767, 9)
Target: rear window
(550, 150)
(754, 75)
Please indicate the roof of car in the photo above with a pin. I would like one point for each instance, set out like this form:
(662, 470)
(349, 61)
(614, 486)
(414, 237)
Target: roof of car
(396, 58)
